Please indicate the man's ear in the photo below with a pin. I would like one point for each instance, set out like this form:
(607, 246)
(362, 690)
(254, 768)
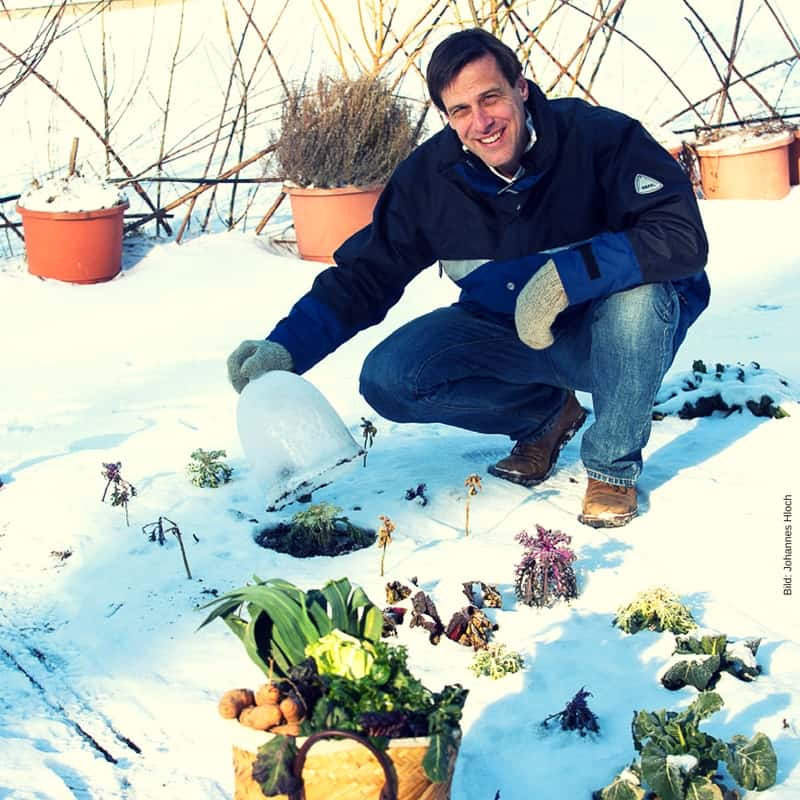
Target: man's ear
(522, 85)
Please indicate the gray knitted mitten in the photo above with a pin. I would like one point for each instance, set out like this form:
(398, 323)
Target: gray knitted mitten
(541, 300)
(252, 359)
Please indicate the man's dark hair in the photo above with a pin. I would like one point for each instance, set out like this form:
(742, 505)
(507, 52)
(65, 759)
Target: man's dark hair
(461, 48)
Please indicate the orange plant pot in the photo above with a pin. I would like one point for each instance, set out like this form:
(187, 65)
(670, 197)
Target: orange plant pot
(794, 159)
(753, 169)
(674, 150)
(74, 246)
(325, 218)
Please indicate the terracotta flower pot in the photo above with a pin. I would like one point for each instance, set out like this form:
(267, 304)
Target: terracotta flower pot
(74, 246)
(325, 218)
(755, 168)
(674, 149)
(794, 159)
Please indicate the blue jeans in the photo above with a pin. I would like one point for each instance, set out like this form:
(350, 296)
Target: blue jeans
(468, 368)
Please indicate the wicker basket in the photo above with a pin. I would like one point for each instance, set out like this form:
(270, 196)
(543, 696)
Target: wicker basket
(345, 766)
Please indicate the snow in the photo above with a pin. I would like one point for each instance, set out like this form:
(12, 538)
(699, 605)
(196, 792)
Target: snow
(107, 688)
(291, 453)
(685, 763)
(746, 140)
(741, 651)
(74, 193)
(107, 637)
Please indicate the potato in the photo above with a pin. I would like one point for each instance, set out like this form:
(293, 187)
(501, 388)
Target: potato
(268, 695)
(292, 710)
(262, 718)
(232, 702)
(289, 729)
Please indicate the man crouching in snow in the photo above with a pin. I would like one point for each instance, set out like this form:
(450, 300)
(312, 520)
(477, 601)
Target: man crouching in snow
(579, 249)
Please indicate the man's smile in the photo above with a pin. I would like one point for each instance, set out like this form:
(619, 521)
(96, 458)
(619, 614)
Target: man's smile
(492, 137)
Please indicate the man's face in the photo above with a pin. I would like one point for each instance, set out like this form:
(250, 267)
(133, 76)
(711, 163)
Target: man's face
(488, 114)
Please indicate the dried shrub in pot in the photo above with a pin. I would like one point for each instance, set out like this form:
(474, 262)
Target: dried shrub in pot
(344, 133)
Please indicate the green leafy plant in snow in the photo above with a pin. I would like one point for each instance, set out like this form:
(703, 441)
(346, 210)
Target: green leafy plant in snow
(678, 761)
(276, 621)
(656, 609)
(496, 661)
(709, 654)
(207, 469)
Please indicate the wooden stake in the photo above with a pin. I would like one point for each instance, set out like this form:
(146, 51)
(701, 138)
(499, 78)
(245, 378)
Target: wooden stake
(272, 209)
(73, 154)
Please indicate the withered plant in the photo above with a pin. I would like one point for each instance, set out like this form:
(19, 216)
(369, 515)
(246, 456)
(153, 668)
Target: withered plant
(368, 431)
(471, 627)
(417, 493)
(121, 490)
(473, 484)
(424, 614)
(384, 536)
(157, 532)
(344, 133)
(576, 715)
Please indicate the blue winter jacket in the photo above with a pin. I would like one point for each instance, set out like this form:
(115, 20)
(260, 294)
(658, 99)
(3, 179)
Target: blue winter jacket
(599, 196)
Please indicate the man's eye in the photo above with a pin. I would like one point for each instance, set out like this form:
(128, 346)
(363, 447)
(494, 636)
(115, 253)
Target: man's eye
(458, 113)
(490, 99)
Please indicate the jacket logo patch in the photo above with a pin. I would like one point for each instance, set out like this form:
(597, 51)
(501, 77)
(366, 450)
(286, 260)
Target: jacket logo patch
(644, 184)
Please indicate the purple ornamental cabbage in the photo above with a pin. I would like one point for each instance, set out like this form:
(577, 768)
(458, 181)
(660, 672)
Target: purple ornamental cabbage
(545, 573)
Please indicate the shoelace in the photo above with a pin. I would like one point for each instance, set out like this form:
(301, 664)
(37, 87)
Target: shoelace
(602, 487)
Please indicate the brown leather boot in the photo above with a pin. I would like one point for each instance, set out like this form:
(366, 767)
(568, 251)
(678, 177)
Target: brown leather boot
(531, 463)
(608, 506)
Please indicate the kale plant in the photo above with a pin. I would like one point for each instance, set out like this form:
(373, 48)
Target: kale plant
(418, 494)
(730, 388)
(576, 715)
(545, 572)
(709, 655)
(391, 700)
(207, 470)
(496, 661)
(679, 761)
(121, 490)
(656, 609)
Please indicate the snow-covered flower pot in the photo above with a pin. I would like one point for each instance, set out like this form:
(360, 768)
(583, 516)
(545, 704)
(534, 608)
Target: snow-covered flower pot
(746, 166)
(73, 230)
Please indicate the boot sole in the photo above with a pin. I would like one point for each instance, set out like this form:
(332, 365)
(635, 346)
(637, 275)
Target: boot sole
(616, 521)
(521, 480)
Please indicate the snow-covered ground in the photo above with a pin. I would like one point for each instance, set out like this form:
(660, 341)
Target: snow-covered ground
(107, 689)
